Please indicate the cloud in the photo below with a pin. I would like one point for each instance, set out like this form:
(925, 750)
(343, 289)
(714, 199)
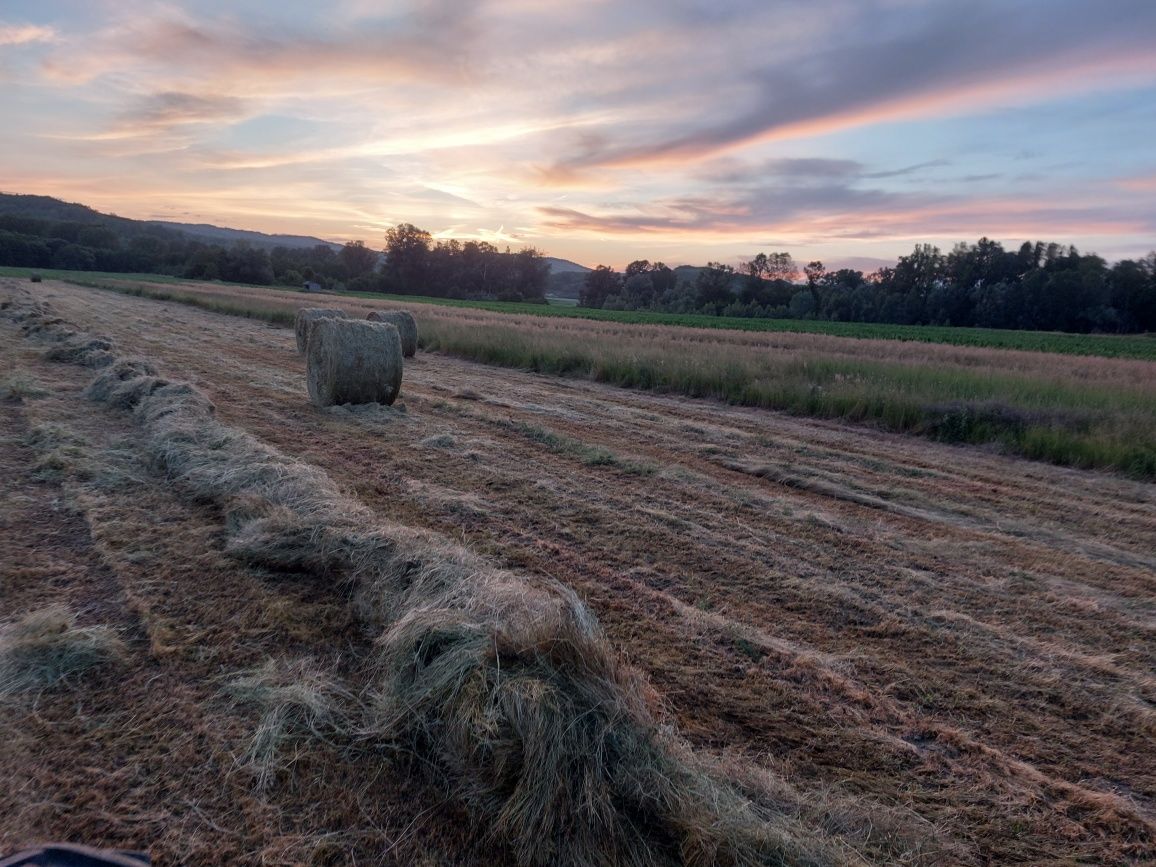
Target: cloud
(805, 170)
(23, 34)
(836, 212)
(928, 60)
(163, 111)
(432, 42)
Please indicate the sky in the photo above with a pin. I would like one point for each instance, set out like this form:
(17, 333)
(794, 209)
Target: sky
(601, 131)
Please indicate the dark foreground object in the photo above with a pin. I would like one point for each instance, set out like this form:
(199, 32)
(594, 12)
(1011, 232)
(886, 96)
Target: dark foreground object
(67, 855)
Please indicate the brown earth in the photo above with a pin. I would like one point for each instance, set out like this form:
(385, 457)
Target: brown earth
(964, 638)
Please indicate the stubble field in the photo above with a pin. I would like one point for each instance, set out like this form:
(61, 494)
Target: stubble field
(946, 652)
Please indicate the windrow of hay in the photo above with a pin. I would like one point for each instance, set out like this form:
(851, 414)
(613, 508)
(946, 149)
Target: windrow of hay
(353, 361)
(46, 647)
(503, 682)
(306, 316)
(88, 351)
(406, 325)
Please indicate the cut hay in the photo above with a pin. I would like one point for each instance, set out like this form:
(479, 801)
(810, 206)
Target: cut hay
(46, 647)
(83, 349)
(353, 361)
(122, 383)
(306, 316)
(406, 325)
(501, 683)
(297, 701)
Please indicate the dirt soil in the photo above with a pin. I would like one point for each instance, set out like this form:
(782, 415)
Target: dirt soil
(964, 638)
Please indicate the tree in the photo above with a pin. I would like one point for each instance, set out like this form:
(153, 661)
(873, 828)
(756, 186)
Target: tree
(713, 286)
(600, 284)
(407, 255)
(528, 274)
(358, 259)
(73, 257)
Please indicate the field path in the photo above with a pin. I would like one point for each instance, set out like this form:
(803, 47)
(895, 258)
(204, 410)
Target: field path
(937, 629)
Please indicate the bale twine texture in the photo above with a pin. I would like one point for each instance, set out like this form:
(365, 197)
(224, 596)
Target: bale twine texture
(306, 316)
(406, 325)
(353, 361)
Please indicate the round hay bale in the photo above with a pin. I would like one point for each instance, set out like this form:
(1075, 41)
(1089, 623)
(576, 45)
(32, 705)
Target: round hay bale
(306, 316)
(406, 325)
(35, 278)
(353, 361)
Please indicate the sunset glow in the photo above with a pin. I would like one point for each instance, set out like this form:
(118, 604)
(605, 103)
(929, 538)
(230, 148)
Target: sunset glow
(682, 130)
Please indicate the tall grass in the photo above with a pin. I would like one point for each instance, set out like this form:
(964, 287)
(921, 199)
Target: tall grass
(1086, 412)
(1142, 346)
(1051, 418)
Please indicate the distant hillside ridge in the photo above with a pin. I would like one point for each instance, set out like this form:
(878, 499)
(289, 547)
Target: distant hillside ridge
(565, 266)
(48, 208)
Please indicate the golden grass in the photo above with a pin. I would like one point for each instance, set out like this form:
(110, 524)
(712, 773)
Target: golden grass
(504, 682)
(1070, 410)
(46, 647)
(944, 632)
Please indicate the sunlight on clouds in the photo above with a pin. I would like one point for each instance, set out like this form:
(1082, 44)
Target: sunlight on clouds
(691, 127)
(23, 34)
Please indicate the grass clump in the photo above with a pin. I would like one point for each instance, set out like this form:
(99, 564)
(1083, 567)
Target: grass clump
(440, 441)
(83, 349)
(297, 701)
(592, 456)
(46, 647)
(59, 452)
(19, 387)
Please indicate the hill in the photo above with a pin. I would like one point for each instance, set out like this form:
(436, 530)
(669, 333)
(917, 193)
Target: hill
(565, 266)
(48, 208)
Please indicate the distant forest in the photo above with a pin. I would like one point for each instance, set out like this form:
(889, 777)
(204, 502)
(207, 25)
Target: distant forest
(1047, 287)
(1040, 286)
(38, 232)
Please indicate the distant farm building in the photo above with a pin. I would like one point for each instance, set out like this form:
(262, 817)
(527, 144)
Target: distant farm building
(311, 286)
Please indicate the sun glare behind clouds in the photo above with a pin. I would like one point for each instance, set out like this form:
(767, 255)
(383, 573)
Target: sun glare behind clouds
(603, 131)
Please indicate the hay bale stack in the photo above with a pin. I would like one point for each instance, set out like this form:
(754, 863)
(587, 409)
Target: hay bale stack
(353, 361)
(406, 325)
(306, 316)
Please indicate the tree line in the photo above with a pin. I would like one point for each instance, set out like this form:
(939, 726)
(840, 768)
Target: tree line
(410, 264)
(1040, 286)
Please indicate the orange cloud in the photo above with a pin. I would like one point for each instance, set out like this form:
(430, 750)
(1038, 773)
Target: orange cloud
(23, 34)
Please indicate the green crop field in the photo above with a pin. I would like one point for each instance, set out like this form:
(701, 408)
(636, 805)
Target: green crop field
(1102, 345)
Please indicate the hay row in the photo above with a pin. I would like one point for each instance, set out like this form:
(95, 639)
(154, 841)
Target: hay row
(504, 682)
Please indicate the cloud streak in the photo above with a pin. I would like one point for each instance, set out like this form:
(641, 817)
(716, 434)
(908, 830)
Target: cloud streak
(846, 127)
(24, 34)
(950, 60)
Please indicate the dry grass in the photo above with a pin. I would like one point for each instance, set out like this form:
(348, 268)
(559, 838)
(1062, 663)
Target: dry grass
(297, 701)
(46, 648)
(1069, 410)
(20, 387)
(504, 682)
(962, 639)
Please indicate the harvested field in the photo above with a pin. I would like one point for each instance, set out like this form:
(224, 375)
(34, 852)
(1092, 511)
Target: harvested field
(1086, 412)
(949, 652)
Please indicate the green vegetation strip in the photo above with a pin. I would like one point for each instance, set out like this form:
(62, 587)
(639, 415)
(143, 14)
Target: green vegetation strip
(1142, 347)
(1061, 422)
